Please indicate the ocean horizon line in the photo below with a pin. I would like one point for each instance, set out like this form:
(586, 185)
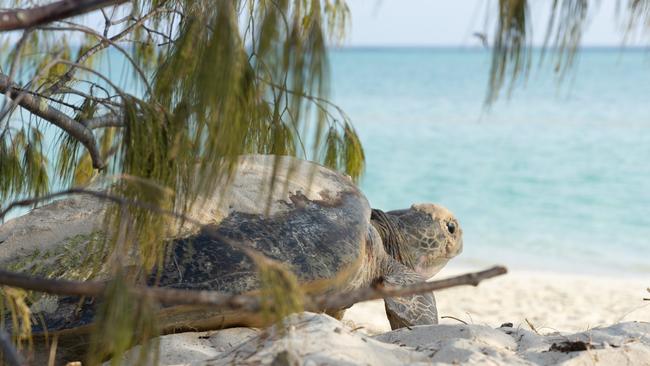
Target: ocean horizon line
(476, 48)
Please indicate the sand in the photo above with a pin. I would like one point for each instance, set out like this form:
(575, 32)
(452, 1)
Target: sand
(551, 301)
(318, 339)
(572, 320)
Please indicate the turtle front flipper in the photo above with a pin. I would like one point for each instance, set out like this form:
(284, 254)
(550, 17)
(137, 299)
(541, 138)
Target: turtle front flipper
(411, 310)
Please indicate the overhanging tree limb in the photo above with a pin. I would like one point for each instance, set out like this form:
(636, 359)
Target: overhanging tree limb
(31, 17)
(39, 107)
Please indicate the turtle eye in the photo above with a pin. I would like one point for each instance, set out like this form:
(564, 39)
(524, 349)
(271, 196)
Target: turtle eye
(451, 226)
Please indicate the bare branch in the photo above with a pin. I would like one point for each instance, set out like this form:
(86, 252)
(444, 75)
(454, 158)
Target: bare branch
(54, 100)
(107, 120)
(105, 100)
(121, 20)
(161, 34)
(344, 300)
(94, 72)
(27, 18)
(247, 302)
(96, 289)
(40, 107)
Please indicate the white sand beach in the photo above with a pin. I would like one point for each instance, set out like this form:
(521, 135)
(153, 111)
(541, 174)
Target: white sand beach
(570, 301)
(551, 301)
(557, 319)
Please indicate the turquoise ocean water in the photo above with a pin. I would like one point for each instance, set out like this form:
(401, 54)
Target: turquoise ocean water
(553, 178)
(556, 177)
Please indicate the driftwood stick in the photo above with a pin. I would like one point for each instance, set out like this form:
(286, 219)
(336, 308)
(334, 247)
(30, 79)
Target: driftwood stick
(343, 300)
(10, 354)
(245, 302)
(96, 289)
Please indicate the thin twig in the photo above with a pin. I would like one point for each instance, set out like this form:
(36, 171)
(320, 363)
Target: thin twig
(95, 72)
(98, 47)
(121, 20)
(52, 99)
(531, 325)
(344, 300)
(161, 34)
(453, 317)
(104, 40)
(103, 101)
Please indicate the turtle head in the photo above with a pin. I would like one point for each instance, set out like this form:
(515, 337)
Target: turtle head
(424, 237)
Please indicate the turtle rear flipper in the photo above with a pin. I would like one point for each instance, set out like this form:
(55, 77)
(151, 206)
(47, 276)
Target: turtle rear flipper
(419, 309)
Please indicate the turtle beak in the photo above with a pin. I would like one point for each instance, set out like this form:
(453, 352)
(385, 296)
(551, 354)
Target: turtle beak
(428, 268)
(455, 249)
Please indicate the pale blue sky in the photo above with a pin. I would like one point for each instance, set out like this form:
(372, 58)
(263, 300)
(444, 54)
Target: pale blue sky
(452, 22)
(378, 23)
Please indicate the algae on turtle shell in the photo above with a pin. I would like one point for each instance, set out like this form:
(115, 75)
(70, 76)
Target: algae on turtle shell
(76, 258)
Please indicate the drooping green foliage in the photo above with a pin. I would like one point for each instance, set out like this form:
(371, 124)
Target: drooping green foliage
(221, 79)
(13, 302)
(205, 82)
(636, 17)
(565, 28)
(281, 293)
(23, 162)
(510, 56)
(512, 53)
(123, 320)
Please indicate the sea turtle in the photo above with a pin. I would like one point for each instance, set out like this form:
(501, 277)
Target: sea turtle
(320, 229)
(317, 222)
